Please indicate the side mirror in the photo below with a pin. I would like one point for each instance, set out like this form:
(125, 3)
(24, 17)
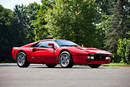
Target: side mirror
(82, 45)
(52, 45)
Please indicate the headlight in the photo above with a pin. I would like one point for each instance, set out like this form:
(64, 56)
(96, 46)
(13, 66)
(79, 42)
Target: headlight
(89, 57)
(92, 57)
(108, 58)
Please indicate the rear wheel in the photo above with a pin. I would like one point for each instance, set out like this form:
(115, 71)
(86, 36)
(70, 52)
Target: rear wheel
(51, 65)
(65, 59)
(22, 60)
(94, 65)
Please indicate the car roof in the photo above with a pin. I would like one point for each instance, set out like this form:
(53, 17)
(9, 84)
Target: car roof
(50, 39)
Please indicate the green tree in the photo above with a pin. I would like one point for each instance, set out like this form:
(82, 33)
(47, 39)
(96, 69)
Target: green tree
(21, 22)
(102, 28)
(39, 30)
(24, 16)
(15, 29)
(118, 26)
(31, 10)
(73, 20)
(105, 6)
(6, 35)
(124, 50)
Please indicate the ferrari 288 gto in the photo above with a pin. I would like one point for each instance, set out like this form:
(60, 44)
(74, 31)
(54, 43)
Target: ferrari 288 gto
(55, 51)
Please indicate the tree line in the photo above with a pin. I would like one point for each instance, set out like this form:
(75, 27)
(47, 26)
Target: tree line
(95, 23)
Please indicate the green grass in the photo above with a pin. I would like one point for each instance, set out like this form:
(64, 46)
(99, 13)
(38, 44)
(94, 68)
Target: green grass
(115, 64)
(7, 63)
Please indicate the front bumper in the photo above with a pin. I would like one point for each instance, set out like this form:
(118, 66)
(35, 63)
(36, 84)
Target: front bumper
(84, 60)
(98, 61)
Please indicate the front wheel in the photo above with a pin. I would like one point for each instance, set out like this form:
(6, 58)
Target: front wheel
(94, 65)
(65, 59)
(22, 60)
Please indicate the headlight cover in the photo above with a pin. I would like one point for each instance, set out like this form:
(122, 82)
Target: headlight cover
(108, 58)
(90, 57)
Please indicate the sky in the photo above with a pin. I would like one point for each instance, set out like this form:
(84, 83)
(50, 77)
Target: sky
(10, 4)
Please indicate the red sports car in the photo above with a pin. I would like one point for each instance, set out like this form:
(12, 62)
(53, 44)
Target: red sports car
(66, 53)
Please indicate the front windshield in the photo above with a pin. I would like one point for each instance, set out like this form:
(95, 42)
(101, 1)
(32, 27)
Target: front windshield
(63, 43)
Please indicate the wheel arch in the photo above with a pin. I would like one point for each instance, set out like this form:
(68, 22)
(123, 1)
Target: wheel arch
(64, 50)
(20, 51)
(67, 51)
(24, 52)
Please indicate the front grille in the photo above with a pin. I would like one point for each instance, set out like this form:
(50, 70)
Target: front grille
(100, 56)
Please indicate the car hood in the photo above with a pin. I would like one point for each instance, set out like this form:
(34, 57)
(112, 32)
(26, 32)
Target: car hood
(88, 50)
(94, 50)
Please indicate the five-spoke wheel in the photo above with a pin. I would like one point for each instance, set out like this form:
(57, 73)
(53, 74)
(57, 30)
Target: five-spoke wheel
(65, 59)
(22, 60)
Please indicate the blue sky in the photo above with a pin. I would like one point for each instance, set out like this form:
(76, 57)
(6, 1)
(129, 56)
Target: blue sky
(11, 3)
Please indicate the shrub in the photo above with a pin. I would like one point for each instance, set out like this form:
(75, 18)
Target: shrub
(124, 50)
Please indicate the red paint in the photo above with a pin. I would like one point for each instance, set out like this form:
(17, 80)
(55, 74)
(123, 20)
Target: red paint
(50, 55)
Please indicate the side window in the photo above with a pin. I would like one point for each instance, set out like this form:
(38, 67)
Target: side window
(36, 45)
(44, 44)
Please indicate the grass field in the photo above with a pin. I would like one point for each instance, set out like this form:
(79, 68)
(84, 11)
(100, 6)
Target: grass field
(116, 64)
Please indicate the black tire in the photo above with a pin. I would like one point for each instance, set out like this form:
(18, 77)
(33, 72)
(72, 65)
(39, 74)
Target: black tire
(51, 65)
(94, 65)
(22, 60)
(67, 61)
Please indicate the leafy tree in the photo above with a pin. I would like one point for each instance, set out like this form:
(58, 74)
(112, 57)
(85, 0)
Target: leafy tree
(118, 26)
(124, 50)
(39, 30)
(6, 36)
(24, 16)
(105, 6)
(21, 22)
(103, 27)
(15, 29)
(73, 20)
(31, 10)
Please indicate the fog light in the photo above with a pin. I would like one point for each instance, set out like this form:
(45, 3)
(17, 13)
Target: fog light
(92, 57)
(108, 58)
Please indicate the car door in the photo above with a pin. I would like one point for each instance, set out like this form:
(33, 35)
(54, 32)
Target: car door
(43, 53)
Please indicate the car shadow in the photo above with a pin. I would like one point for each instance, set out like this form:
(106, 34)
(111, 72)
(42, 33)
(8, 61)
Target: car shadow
(59, 67)
(74, 67)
